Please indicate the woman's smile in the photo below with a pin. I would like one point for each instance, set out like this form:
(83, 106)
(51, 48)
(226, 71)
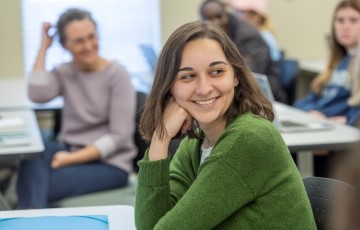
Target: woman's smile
(206, 102)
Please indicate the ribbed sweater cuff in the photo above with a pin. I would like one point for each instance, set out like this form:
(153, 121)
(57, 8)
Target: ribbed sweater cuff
(154, 173)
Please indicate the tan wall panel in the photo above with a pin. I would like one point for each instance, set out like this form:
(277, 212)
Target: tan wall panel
(11, 52)
(176, 13)
(302, 26)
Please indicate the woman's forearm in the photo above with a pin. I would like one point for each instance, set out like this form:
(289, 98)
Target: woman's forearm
(86, 154)
(39, 64)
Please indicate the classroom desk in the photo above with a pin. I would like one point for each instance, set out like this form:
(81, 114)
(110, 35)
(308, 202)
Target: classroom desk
(10, 155)
(341, 137)
(14, 103)
(119, 216)
(313, 65)
(31, 150)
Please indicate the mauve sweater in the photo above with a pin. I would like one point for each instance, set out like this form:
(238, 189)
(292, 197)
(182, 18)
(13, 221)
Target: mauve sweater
(99, 108)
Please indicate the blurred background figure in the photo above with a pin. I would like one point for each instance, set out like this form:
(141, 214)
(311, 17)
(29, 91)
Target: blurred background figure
(333, 92)
(255, 12)
(353, 116)
(248, 40)
(96, 146)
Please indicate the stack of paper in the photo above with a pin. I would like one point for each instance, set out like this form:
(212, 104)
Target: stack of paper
(13, 132)
(12, 124)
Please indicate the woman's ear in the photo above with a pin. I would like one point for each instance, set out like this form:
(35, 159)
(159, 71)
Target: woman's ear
(236, 81)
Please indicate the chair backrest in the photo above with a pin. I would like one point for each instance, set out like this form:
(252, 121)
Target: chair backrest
(140, 143)
(289, 69)
(322, 193)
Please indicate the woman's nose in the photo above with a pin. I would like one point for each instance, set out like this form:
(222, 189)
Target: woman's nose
(204, 85)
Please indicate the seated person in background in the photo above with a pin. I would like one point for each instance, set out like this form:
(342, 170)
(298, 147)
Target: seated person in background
(98, 121)
(331, 90)
(220, 176)
(254, 12)
(353, 116)
(249, 42)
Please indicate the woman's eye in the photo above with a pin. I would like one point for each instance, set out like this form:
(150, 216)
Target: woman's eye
(216, 72)
(187, 76)
(339, 20)
(353, 20)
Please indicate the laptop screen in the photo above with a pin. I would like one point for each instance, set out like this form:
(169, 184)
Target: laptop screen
(288, 125)
(264, 86)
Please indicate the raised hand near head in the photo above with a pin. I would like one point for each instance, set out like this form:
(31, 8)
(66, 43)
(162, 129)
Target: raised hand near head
(46, 40)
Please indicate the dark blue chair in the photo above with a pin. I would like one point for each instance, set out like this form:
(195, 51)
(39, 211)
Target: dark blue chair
(289, 69)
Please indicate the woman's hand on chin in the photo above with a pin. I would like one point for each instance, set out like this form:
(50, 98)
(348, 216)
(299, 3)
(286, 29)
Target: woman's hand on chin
(176, 119)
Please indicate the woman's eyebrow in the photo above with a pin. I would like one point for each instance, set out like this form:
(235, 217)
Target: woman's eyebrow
(185, 69)
(217, 62)
(211, 64)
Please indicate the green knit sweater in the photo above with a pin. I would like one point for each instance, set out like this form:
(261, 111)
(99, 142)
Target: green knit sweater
(249, 181)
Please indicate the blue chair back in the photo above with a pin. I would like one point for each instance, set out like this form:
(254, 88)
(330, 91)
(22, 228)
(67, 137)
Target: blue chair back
(289, 69)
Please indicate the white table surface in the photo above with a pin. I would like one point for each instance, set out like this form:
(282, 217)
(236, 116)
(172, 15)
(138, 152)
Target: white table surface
(340, 137)
(119, 216)
(313, 65)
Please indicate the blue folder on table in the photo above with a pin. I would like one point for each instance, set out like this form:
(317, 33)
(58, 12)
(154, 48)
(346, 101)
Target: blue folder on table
(88, 222)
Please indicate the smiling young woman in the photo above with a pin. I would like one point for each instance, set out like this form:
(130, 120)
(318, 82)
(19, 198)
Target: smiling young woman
(233, 170)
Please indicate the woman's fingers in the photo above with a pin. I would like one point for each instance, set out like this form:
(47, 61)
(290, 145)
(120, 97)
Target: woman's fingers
(46, 26)
(176, 118)
(46, 39)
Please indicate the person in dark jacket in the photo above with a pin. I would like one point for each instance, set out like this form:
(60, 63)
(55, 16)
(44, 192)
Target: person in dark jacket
(249, 42)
